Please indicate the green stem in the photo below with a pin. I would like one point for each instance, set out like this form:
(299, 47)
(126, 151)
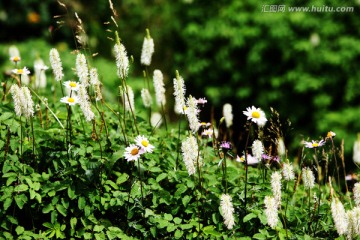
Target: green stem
(246, 165)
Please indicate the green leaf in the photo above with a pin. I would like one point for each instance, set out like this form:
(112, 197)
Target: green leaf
(168, 217)
(161, 176)
(98, 228)
(10, 180)
(122, 178)
(186, 226)
(7, 203)
(5, 115)
(171, 227)
(185, 200)
(20, 200)
(81, 203)
(19, 230)
(177, 220)
(61, 209)
(249, 217)
(71, 192)
(48, 208)
(21, 188)
(112, 184)
(210, 230)
(73, 222)
(178, 234)
(259, 236)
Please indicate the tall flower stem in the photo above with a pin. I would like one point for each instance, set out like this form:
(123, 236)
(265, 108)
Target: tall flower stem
(335, 159)
(225, 174)
(140, 179)
(164, 117)
(246, 164)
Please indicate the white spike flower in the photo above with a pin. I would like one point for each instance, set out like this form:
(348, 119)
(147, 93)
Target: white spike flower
(256, 115)
(189, 149)
(82, 70)
(192, 113)
(147, 50)
(356, 191)
(23, 103)
(354, 221)
(288, 172)
(128, 99)
(228, 115)
(122, 61)
(84, 103)
(94, 76)
(39, 71)
(356, 151)
(276, 187)
(56, 64)
(155, 120)
(281, 150)
(227, 210)
(308, 178)
(271, 211)
(179, 93)
(339, 216)
(146, 97)
(158, 80)
(257, 149)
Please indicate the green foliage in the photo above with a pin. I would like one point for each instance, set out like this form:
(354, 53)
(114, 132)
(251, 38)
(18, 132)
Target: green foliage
(64, 177)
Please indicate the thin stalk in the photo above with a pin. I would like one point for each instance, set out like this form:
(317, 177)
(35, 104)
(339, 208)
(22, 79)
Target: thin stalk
(47, 107)
(21, 137)
(140, 179)
(178, 145)
(225, 175)
(343, 164)
(33, 137)
(309, 210)
(163, 112)
(246, 164)
(335, 159)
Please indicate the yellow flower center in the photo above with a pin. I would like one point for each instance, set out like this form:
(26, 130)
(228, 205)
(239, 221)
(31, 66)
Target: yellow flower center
(315, 144)
(144, 143)
(134, 151)
(16, 59)
(71, 100)
(20, 71)
(72, 84)
(255, 114)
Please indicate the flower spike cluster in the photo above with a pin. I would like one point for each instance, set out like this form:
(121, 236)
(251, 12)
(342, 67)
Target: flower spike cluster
(141, 146)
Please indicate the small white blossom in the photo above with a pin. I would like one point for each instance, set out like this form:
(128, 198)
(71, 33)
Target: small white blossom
(228, 115)
(271, 211)
(146, 97)
(288, 172)
(122, 60)
(179, 93)
(308, 178)
(158, 80)
(82, 70)
(339, 216)
(256, 115)
(56, 64)
(147, 50)
(39, 71)
(127, 96)
(23, 103)
(227, 210)
(192, 113)
(155, 120)
(356, 151)
(276, 187)
(257, 149)
(189, 149)
(14, 54)
(84, 103)
(356, 191)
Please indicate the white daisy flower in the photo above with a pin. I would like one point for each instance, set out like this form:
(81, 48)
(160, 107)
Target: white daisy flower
(132, 153)
(314, 144)
(21, 71)
(69, 100)
(73, 86)
(142, 142)
(256, 115)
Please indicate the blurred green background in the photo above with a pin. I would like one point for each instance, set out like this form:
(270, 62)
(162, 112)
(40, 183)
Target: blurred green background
(304, 65)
